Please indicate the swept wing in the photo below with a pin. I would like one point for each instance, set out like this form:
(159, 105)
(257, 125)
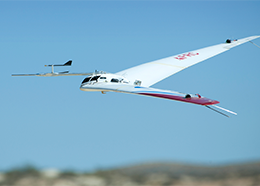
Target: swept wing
(155, 71)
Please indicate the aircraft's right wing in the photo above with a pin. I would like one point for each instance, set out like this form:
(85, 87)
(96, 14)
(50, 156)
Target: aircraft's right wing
(155, 71)
(54, 74)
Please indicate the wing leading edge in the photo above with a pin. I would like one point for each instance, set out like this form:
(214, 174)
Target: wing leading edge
(155, 71)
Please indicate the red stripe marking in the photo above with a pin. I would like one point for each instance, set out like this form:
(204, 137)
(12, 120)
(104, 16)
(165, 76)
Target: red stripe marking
(195, 100)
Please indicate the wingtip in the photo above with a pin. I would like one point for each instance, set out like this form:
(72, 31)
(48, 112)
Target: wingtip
(255, 37)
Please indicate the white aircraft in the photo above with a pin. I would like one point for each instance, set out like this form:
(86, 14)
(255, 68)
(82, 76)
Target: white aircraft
(139, 79)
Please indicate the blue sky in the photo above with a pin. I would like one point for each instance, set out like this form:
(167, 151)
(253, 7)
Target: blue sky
(50, 123)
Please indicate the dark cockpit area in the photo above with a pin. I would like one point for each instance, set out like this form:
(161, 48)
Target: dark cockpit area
(94, 78)
(113, 80)
(86, 80)
(91, 78)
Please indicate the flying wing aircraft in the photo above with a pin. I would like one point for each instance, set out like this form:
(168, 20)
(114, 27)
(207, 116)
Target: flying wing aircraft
(139, 79)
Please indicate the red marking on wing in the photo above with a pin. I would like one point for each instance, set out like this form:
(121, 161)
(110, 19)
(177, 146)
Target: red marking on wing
(194, 100)
(184, 56)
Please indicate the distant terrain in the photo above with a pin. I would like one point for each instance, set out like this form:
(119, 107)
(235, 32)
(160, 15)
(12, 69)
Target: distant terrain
(152, 174)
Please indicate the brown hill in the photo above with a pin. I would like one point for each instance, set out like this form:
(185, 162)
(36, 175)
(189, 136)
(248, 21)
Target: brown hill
(177, 170)
(152, 174)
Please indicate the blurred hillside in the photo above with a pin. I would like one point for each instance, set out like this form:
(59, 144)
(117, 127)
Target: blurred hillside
(152, 174)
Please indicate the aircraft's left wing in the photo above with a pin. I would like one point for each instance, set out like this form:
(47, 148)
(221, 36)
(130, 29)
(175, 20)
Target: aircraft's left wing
(153, 92)
(167, 94)
(153, 72)
(158, 93)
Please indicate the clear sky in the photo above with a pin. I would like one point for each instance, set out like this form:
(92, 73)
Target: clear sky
(50, 123)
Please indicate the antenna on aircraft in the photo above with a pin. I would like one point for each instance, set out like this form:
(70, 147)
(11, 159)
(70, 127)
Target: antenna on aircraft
(221, 109)
(254, 44)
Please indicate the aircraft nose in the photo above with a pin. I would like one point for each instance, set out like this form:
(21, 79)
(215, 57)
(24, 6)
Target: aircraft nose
(81, 87)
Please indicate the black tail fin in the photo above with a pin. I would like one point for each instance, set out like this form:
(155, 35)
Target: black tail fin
(65, 64)
(68, 63)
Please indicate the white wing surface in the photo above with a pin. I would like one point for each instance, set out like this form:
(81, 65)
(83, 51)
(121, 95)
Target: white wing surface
(155, 71)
